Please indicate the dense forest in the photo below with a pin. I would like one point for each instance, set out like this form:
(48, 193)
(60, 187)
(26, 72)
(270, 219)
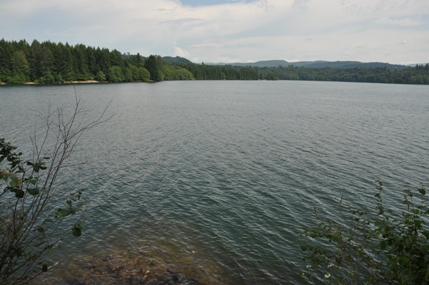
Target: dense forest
(411, 75)
(50, 63)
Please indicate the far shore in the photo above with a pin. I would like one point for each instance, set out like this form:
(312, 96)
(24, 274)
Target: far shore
(70, 82)
(59, 83)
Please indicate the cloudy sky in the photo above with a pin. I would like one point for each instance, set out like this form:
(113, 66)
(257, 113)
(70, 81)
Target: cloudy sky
(395, 31)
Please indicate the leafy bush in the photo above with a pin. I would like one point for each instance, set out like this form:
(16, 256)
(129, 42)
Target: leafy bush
(380, 246)
(32, 203)
(16, 79)
(47, 78)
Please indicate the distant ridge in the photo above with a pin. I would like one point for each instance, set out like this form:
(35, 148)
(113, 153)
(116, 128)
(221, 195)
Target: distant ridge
(317, 64)
(262, 63)
(307, 64)
(176, 59)
(347, 64)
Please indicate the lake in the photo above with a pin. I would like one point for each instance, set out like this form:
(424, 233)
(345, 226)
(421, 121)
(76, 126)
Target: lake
(217, 177)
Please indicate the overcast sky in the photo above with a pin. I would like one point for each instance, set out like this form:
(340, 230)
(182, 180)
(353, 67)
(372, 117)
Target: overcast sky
(394, 31)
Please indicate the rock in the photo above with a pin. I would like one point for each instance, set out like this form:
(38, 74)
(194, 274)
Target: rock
(117, 269)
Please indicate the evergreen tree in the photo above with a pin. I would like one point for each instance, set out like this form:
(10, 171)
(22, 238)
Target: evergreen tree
(151, 64)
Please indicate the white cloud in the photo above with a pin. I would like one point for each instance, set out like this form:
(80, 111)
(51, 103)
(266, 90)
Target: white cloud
(235, 31)
(404, 22)
(180, 52)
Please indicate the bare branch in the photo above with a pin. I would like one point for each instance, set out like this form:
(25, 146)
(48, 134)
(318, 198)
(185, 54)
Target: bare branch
(33, 203)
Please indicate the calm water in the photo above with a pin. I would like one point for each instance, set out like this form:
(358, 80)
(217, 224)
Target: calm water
(218, 176)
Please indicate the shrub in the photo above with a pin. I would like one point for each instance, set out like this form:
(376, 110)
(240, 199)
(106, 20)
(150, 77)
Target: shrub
(381, 246)
(16, 79)
(33, 204)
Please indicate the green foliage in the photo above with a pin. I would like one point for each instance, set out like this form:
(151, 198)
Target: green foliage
(49, 63)
(115, 74)
(16, 79)
(221, 72)
(47, 78)
(139, 73)
(380, 246)
(152, 65)
(173, 72)
(26, 226)
(101, 76)
(411, 75)
(32, 203)
(176, 60)
(271, 76)
(19, 64)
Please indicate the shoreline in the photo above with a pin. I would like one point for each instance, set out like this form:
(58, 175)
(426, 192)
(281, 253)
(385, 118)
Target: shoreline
(70, 83)
(57, 83)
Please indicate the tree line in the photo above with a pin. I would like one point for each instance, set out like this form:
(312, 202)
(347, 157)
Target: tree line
(49, 63)
(411, 75)
(221, 72)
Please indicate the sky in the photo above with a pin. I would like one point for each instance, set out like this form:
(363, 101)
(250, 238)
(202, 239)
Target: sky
(394, 31)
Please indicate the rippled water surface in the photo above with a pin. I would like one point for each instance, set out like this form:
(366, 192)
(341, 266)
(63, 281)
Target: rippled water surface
(217, 177)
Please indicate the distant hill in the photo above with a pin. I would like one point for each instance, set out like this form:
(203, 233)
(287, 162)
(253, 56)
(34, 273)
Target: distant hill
(347, 64)
(317, 64)
(169, 59)
(263, 63)
(176, 60)
(284, 63)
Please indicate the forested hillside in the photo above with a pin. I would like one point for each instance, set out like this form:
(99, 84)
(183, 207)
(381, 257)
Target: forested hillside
(411, 75)
(225, 72)
(51, 63)
(317, 64)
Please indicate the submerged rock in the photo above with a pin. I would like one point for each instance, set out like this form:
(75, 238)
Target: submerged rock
(114, 269)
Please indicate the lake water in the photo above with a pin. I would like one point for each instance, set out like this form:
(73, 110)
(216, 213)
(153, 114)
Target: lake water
(218, 176)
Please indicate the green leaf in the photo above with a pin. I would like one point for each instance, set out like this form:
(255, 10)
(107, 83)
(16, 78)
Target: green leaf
(415, 211)
(418, 223)
(426, 234)
(19, 193)
(77, 230)
(422, 191)
(13, 180)
(383, 245)
(33, 191)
